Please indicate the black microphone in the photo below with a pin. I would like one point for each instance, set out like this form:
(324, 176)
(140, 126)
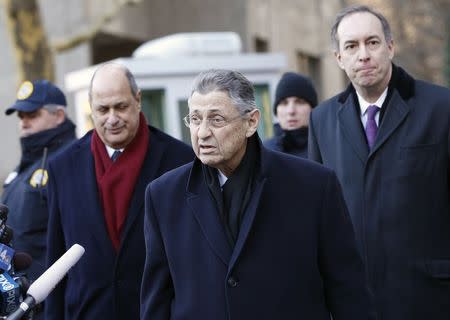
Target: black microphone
(3, 212)
(6, 233)
(41, 288)
(21, 261)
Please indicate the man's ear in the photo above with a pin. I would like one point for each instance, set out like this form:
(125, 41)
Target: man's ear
(138, 99)
(60, 115)
(338, 57)
(253, 121)
(391, 49)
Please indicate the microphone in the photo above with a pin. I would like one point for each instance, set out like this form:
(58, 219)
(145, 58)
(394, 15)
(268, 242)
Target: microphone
(6, 233)
(9, 294)
(41, 288)
(21, 261)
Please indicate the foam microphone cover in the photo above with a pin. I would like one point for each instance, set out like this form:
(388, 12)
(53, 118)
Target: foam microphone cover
(43, 285)
(21, 261)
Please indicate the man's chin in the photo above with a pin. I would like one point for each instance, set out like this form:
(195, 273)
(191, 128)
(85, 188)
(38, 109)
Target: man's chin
(116, 143)
(208, 160)
(25, 134)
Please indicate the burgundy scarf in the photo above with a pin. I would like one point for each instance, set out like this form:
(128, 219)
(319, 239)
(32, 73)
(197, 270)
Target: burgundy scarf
(116, 180)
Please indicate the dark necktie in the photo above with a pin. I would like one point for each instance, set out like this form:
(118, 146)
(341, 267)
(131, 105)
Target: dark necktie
(371, 125)
(115, 155)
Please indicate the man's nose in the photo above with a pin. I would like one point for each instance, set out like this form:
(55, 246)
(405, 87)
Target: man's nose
(23, 122)
(204, 129)
(363, 53)
(291, 108)
(112, 117)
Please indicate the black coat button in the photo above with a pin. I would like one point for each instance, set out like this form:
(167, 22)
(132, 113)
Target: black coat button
(232, 282)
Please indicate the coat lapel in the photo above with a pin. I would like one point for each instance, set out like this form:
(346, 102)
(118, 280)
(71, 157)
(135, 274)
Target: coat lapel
(205, 212)
(397, 110)
(350, 124)
(247, 221)
(252, 208)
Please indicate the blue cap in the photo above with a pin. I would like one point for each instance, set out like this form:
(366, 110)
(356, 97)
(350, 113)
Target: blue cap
(34, 95)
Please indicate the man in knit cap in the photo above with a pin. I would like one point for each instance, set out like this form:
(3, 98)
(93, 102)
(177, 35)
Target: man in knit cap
(295, 97)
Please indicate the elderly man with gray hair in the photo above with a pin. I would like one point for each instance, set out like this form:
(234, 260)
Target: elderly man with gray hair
(243, 232)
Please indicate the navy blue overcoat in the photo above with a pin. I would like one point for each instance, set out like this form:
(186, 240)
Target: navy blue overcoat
(295, 256)
(104, 284)
(397, 193)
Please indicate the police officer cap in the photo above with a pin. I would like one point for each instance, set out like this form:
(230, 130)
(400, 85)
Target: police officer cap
(34, 95)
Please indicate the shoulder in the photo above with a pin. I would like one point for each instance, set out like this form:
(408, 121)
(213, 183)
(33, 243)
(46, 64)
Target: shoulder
(328, 106)
(173, 179)
(62, 157)
(272, 143)
(286, 167)
(174, 152)
(427, 89)
(162, 137)
(428, 98)
(324, 116)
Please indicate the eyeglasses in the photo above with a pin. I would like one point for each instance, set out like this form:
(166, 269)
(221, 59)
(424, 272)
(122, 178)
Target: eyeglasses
(194, 121)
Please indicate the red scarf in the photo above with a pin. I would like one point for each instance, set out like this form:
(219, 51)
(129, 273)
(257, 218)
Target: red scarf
(116, 180)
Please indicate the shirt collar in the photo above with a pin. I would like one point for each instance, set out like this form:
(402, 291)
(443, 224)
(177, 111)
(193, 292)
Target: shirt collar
(363, 104)
(222, 178)
(111, 150)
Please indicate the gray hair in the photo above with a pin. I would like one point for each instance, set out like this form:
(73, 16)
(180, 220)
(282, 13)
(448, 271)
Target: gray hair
(53, 108)
(130, 77)
(357, 9)
(239, 88)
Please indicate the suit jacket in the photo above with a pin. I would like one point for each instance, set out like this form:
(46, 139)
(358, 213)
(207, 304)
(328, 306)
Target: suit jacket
(397, 193)
(104, 284)
(295, 256)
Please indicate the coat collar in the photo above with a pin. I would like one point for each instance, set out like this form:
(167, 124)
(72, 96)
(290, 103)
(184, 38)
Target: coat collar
(206, 213)
(400, 81)
(401, 89)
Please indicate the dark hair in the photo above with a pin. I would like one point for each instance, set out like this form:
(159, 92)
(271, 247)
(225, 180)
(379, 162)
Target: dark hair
(356, 9)
(53, 108)
(131, 80)
(239, 88)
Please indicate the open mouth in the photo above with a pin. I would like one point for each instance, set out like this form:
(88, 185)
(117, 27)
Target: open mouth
(206, 148)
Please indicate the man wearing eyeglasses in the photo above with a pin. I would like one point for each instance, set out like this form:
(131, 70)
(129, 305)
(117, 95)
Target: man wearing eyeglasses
(243, 232)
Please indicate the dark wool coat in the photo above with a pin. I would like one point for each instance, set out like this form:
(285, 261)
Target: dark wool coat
(104, 284)
(397, 194)
(295, 256)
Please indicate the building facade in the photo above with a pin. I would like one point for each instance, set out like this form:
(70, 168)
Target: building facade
(299, 29)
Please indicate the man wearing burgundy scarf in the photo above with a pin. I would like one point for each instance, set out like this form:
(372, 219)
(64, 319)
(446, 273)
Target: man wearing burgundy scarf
(244, 232)
(96, 199)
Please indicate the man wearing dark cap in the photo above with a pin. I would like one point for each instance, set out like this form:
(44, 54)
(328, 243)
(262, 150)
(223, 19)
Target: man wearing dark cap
(295, 97)
(44, 129)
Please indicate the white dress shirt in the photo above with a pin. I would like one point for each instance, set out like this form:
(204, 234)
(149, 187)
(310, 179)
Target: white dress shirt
(363, 104)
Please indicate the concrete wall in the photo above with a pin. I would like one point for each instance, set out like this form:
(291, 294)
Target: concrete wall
(293, 26)
(155, 18)
(9, 145)
(288, 26)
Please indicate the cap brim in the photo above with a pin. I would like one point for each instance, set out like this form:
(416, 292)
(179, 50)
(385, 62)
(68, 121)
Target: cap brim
(25, 106)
